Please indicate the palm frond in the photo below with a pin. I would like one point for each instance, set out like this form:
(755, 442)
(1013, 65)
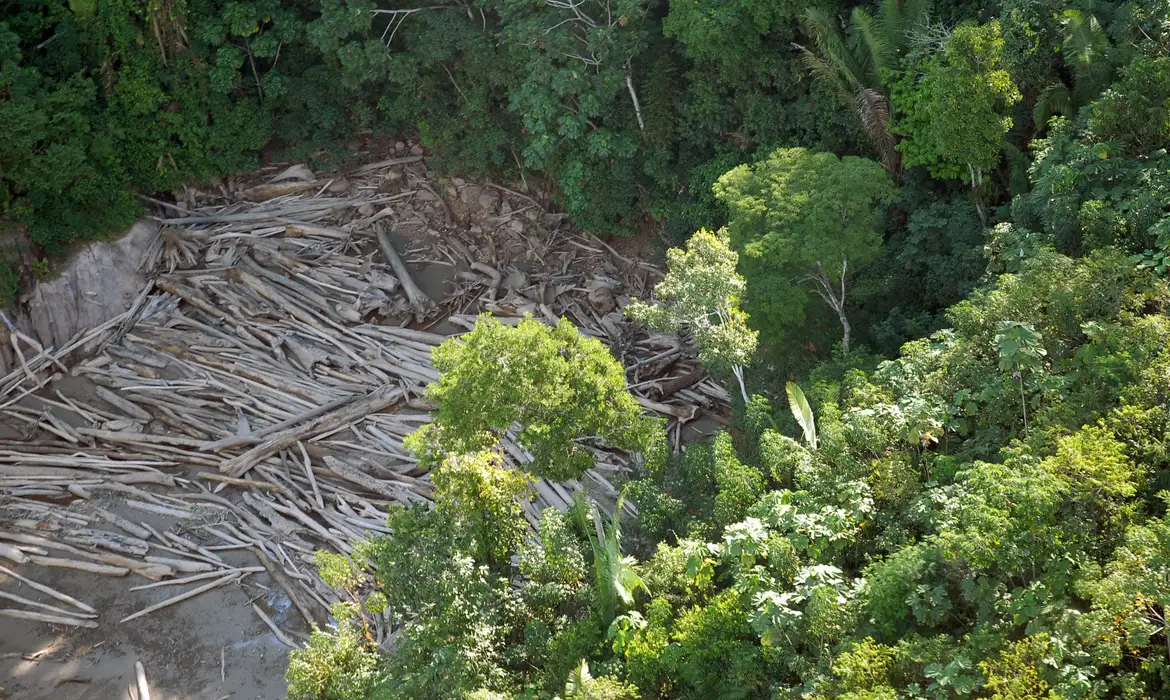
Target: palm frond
(873, 50)
(829, 75)
(873, 108)
(915, 15)
(831, 47)
(1054, 99)
(802, 412)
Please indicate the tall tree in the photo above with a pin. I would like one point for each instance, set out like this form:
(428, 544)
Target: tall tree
(799, 219)
(955, 106)
(701, 293)
(852, 63)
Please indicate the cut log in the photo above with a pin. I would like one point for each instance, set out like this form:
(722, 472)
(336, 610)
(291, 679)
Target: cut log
(344, 416)
(382, 488)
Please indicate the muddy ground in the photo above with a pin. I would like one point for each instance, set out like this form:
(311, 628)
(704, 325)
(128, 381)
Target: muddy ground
(211, 646)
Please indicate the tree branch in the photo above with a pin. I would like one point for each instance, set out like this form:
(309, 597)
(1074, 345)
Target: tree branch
(634, 97)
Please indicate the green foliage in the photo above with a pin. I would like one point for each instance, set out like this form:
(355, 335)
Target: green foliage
(739, 486)
(926, 547)
(701, 293)
(853, 68)
(802, 412)
(616, 578)
(336, 665)
(583, 686)
(482, 497)
(956, 105)
(801, 216)
(555, 383)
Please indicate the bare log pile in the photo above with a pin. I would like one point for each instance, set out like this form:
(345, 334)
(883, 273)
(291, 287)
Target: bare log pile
(258, 390)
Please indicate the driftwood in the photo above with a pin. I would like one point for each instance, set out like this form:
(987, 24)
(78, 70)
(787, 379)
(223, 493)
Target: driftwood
(13, 554)
(420, 302)
(140, 679)
(182, 596)
(284, 638)
(272, 344)
(34, 604)
(41, 617)
(48, 591)
(103, 569)
(341, 417)
(199, 577)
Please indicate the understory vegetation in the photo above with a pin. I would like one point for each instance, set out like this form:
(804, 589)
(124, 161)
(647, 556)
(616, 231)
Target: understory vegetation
(925, 244)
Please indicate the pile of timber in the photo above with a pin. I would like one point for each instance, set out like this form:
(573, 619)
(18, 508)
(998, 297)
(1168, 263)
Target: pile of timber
(258, 390)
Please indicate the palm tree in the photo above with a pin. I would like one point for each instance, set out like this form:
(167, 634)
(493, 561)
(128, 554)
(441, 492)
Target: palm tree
(850, 62)
(616, 580)
(1085, 48)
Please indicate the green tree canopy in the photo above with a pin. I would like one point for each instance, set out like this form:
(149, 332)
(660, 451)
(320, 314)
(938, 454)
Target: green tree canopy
(558, 390)
(701, 293)
(955, 105)
(799, 220)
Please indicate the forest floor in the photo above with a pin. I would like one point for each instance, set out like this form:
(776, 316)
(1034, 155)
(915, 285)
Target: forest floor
(271, 296)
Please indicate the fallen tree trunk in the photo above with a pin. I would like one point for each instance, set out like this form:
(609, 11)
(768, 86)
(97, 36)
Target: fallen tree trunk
(346, 415)
(420, 302)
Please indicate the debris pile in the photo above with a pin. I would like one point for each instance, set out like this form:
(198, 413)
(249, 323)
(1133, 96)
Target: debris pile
(257, 392)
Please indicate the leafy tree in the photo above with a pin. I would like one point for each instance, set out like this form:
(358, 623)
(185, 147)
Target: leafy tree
(1019, 351)
(482, 497)
(335, 666)
(800, 218)
(554, 385)
(955, 105)
(1085, 48)
(701, 293)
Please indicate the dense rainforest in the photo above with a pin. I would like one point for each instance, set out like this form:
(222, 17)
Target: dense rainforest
(925, 244)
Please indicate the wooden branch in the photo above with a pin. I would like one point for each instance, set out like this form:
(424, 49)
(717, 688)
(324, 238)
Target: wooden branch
(41, 617)
(183, 596)
(284, 638)
(48, 591)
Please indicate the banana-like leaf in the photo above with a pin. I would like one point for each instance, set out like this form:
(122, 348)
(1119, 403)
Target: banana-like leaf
(577, 685)
(802, 412)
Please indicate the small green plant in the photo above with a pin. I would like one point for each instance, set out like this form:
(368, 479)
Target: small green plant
(802, 412)
(617, 579)
(42, 269)
(1020, 351)
(1156, 259)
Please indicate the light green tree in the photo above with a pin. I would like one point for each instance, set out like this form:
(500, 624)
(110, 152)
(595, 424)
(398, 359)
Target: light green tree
(799, 220)
(554, 388)
(482, 498)
(955, 106)
(701, 293)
